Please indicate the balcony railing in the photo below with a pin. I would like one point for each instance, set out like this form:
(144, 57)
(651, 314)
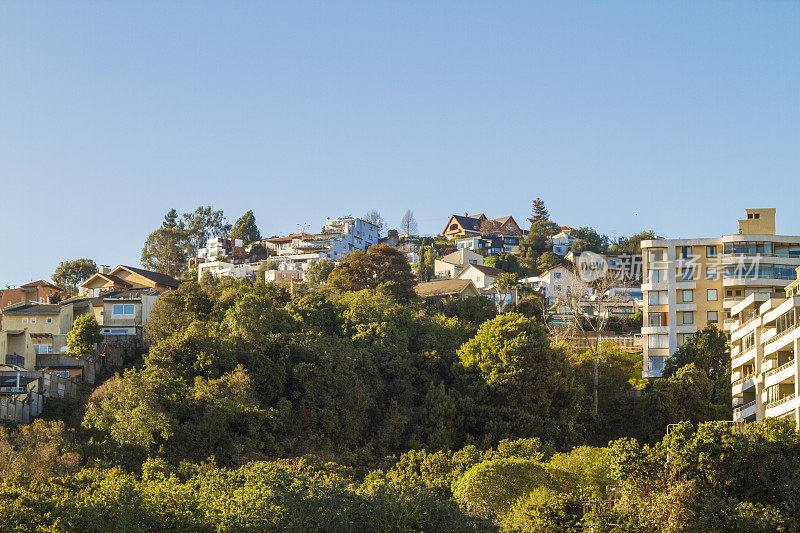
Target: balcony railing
(779, 335)
(742, 380)
(785, 365)
(741, 408)
(781, 401)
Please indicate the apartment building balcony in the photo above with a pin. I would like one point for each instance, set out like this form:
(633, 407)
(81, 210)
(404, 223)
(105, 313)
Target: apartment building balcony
(785, 372)
(743, 384)
(656, 286)
(781, 407)
(776, 341)
(745, 411)
(688, 284)
(744, 357)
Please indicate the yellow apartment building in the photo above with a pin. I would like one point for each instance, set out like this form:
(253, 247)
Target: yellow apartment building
(689, 283)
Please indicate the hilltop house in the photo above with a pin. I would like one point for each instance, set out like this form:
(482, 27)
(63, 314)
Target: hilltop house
(446, 289)
(36, 291)
(125, 277)
(450, 265)
(475, 225)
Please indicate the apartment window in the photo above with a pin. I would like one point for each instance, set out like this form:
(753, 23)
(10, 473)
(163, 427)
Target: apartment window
(711, 272)
(688, 295)
(658, 341)
(558, 275)
(657, 363)
(688, 317)
(33, 320)
(711, 295)
(123, 309)
(712, 317)
(728, 293)
(657, 275)
(558, 288)
(655, 320)
(711, 251)
(785, 321)
(686, 252)
(49, 320)
(24, 320)
(687, 337)
(749, 341)
(658, 254)
(657, 297)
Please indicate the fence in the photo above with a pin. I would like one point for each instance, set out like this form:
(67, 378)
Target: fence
(24, 407)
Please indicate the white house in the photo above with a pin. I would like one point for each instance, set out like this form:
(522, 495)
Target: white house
(224, 269)
(553, 283)
(561, 242)
(482, 276)
(450, 265)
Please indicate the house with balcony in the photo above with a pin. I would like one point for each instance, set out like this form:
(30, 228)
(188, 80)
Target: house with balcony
(765, 339)
(562, 241)
(28, 330)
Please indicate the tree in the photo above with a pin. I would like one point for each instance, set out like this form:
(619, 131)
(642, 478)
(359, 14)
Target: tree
(201, 225)
(258, 252)
(246, 229)
(539, 211)
(380, 267)
(70, 274)
(549, 260)
(536, 241)
(425, 267)
(374, 217)
(408, 224)
(165, 251)
(505, 284)
(319, 271)
(170, 219)
(83, 336)
(707, 350)
(631, 245)
(588, 239)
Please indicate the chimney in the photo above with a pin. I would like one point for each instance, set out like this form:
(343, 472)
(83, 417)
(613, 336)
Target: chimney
(466, 215)
(104, 269)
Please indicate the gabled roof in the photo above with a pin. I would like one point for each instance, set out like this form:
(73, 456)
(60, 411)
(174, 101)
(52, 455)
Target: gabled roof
(488, 271)
(444, 287)
(155, 277)
(503, 220)
(116, 280)
(40, 283)
(31, 309)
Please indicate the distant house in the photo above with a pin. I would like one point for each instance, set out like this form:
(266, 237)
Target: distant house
(28, 330)
(482, 276)
(41, 291)
(553, 283)
(490, 244)
(127, 277)
(450, 265)
(460, 289)
(466, 225)
(561, 242)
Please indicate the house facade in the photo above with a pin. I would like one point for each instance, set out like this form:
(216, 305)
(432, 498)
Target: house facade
(40, 291)
(482, 276)
(561, 242)
(460, 226)
(460, 289)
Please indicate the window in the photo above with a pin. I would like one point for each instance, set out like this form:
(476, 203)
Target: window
(688, 295)
(686, 252)
(657, 363)
(658, 341)
(657, 275)
(687, 337)
(558, 275)
(749, 341)
(123, 309)
(711, 295)
(712, 317)
(688, 317)
(24, 320)
(658, 254)
(711, 251)
(558, 288)
(49, 320)
(711, 272)
(657, 297)
(785, 322)
(728, 293)
(33, 320)
(655, 320)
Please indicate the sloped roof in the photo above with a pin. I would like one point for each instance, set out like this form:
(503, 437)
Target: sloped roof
(470, 223)
(444, 287)
(32, 309)
(40, 283)
(503, 220)
(155, 277)
(489, 271)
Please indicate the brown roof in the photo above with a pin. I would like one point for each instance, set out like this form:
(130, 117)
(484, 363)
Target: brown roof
(40, 283)
(31, 309)
(155, 277)
(489, 271)
(444, 287)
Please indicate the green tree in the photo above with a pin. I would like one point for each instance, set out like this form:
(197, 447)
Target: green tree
(549, 260)
(380, 267)
(535, 243)
(165, 252)
(70, 274)
(539, 212)
(171, 220)
(707, 350)
(319, 271)
(589, 240)
(631, 245)
(83, 336)
(201, 225)
(245, 229)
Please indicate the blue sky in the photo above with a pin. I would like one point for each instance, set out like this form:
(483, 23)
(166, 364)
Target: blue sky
(621, 115)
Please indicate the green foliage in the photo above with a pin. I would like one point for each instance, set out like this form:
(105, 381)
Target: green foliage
(83, 336)
(549, 260)
(381, 267)
(589, 240)
(165, 251)
(245, 229)
(546, 511)
(538, 211)
(202, 224)
(475, 310)
(631, 245)
(70, 274)
(319, 271)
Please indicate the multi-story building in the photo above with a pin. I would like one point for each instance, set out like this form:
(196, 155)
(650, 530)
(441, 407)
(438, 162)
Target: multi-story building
(41, 291)
(228, 250)
(689, 283)
(765, 341)
(356, 231)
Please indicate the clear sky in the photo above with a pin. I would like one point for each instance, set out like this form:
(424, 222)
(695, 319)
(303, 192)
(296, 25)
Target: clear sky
(671, 116)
